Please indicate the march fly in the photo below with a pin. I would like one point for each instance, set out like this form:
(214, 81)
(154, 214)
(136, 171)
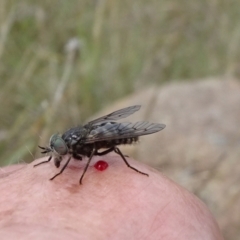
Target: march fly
(101, 133)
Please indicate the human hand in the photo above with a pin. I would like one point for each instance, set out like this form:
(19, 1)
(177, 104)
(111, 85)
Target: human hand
(117, 203)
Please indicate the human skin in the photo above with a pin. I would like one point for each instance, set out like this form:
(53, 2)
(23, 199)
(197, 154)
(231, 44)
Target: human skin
(117, 203)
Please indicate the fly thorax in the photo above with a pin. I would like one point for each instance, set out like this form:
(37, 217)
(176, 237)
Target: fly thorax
(75, 135)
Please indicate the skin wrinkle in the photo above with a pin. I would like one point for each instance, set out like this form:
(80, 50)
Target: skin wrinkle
(113, 207)
(9, 170)
(141, 190)
(135, 192)
(196, 207)
(33, 231)
(179, 233)
(203, 217)
(126, 198)
(189, 202)
(154, 228)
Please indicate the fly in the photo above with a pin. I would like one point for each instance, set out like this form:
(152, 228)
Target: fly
(103, 132)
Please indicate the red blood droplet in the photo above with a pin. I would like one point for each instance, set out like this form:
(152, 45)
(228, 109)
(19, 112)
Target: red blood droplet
(101, 165)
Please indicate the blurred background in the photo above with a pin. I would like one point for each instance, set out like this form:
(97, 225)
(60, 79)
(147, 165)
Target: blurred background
(62, 61)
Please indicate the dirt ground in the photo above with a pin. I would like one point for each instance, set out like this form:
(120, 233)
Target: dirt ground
(200, 147)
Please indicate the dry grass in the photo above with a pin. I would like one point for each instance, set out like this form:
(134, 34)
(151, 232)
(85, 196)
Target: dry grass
(123, 46)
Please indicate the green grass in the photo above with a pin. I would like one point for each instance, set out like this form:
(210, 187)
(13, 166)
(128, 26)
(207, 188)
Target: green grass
(124, 45)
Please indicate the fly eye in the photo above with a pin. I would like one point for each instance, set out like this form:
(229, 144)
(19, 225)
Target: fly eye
(58, 145)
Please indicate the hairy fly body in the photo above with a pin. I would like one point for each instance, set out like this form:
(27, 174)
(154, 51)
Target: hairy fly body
(101, 133)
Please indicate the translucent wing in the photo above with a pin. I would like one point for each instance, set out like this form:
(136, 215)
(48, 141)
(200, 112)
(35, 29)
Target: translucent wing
(115, 130)
(119, 114)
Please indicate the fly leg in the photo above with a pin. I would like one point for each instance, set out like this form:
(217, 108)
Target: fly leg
(87, 165)
(104, 152)
(77, 156)
(49, 159)
(117, 150)
(63, 168)
(107, 151)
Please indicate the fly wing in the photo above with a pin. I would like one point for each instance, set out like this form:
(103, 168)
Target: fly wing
(119, 114)
(114, 130)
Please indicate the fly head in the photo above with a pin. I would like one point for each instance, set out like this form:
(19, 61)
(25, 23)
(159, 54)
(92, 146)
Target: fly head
(58, 145)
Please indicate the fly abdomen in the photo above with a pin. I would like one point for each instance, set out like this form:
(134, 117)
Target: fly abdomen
(125, 141)
(114, 142)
